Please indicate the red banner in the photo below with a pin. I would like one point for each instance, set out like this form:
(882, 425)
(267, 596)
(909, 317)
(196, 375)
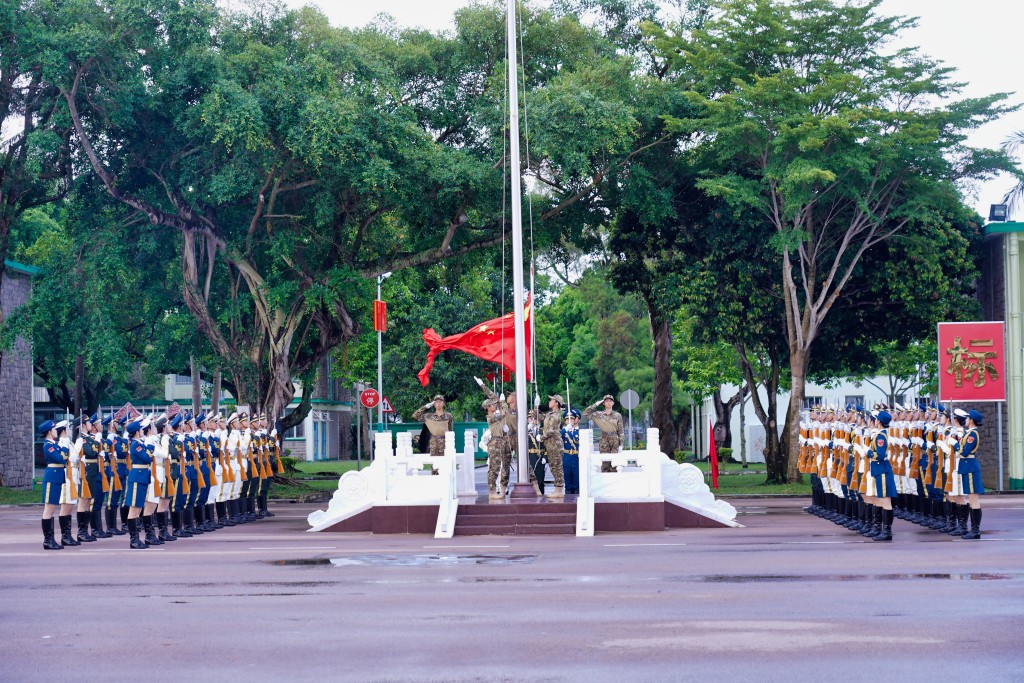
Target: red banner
(493, 340)
(972, 362)
(380, 316)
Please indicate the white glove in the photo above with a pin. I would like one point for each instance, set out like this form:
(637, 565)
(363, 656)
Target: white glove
(502, 397)
(427, 405)
(504, 428)
(479, 381)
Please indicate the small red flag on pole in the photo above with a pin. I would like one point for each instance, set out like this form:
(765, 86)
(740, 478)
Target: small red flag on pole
(712, 454)
(380, 316)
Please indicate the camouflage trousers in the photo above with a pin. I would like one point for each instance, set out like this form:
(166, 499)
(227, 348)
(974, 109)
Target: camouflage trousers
(499, 458)
(437, 445)
(553, 452)
(608, 444)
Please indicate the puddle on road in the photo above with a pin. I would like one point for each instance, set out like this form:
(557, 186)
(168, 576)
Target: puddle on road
(769, 578)
(407, 560)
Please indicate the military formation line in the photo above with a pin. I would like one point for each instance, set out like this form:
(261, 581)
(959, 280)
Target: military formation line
(199, 473)
(918, 463)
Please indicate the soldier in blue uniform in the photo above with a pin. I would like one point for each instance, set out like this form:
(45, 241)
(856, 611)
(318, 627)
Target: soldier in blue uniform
(92, 453)
(137, 482)
(571, 451)
(53, 480)
(202, 475)
(881, 472)
(117, 472)
(969, 471)
(176, 449)
(535, 453)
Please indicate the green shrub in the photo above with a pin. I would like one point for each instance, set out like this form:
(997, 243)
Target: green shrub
(684, 456)
(289, 464)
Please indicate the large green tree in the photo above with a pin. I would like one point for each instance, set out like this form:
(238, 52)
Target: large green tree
(34, 160)
(834, 139)
(295, 162)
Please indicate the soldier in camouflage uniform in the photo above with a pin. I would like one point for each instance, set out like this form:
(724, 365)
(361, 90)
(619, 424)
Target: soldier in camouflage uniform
(610, 424)
(499, 455)
(552, 436)
(438, 422)
(506, 406)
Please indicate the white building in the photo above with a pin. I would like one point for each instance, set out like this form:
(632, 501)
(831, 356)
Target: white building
(845, 392)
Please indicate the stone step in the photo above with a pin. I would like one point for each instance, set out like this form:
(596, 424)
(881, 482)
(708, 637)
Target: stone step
(550, 518)
(485, 520)
(531, 529)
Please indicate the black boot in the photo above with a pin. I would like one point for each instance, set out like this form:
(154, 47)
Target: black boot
(211, 517)
(250, 509)
(959, 521)
(161, 521)
(236, 511)
(112, 522)
(266, 510)
(151, 537)
(886, 533)
(222, 514)
(176, 522)
(133, 535)
(949, 517)
(200, 513)
(48, 542)
(963, 520)
(975, 533)
(83, 527)
(97, 525)
(876, 522)
(260, 506)
(124, 517)
(190, 521)
(65, 531)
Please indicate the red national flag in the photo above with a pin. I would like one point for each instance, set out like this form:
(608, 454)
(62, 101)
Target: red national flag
(712, 454)
(380, 316)
(173, 409)
(493, 340)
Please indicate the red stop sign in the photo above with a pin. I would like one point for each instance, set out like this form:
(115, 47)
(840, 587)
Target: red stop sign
(369, 398)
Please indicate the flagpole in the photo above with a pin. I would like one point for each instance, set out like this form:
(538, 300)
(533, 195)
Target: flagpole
(522, 403)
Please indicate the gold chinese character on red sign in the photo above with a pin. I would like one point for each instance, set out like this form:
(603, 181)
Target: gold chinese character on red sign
(965, 363)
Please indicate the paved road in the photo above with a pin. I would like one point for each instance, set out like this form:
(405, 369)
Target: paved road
(787, 598)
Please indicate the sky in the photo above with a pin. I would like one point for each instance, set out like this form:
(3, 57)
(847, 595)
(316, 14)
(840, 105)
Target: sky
(969, 35)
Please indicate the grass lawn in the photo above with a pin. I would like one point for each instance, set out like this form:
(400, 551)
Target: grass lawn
(327, 468)
(10, 496)
(315, 480)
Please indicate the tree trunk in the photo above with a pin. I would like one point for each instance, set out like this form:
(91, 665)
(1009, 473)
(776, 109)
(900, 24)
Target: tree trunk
(661, 410)
(723, 415)
(215, 392)
(197, 386)
(798, 376)
(774, 453)
(79, 405)
(743, 433)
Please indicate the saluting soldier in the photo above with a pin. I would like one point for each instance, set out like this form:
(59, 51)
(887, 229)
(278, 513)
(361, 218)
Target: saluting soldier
(551, 434)
(53, 482)
(610, 424)
(438, 422)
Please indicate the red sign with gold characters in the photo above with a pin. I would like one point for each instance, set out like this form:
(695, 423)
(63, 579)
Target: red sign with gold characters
(971, 362)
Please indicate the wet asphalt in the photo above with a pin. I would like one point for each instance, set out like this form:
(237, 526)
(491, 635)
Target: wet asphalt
(789, 597)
